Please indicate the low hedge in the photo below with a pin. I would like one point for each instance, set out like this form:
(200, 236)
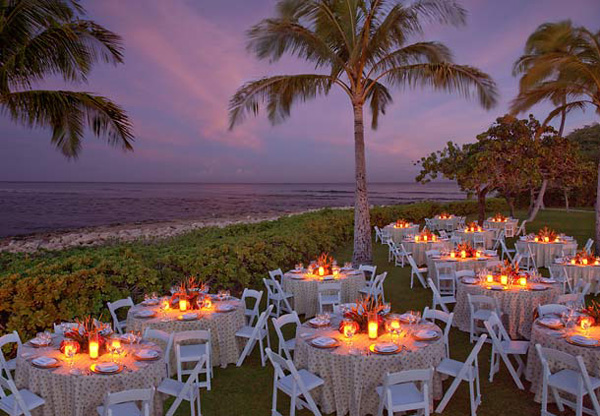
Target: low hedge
(39, 289)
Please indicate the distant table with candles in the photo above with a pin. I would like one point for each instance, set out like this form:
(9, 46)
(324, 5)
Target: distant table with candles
(304, 287)
(398, 233)
(589, 273)
(419, 248)
(518, 302)
(353, 370)
(560, 339)
(469, 236)
(545, 252)
(469, 263)
(79, 391)
(508, 224)
(224, 318)
(445, 223)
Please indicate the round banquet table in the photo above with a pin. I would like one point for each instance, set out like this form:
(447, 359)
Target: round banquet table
(510, 223)
(398, 234)
(546, 252)
(443, 224)
(222, 325)
(519, 306)
(577, 272)
(488, 237)
(553, 339)
(420, 248)
(80, 394)
(304, 287)
(472, 263)
(352, 373)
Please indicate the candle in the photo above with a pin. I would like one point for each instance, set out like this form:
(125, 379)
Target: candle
(452, 254)
(165, 305)
(546, 239)
(477, 254)
(425, 238)
(585, 262)
(463, 254)
(372, 326)
(94, 349)
(183, 305)
(536, 239)
(523, 281)
(395, 325)
(207, 303)
(116, 343)
(416, 238)
(70, 350)
(321, 271)
(504, 279)
(489, 278)
(573, 261)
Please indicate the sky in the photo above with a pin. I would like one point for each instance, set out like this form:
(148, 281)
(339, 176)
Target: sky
(184, 59)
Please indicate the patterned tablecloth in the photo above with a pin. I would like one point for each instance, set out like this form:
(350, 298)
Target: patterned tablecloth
(440, 224)
(519, 306)
(419, 249)
(352, 374)
(546, 252)
(461, 264)
(488, 237)
(579, 272)
(305, 289)
(398, 234)
(553, 339)
(80, 394)
(223, 326)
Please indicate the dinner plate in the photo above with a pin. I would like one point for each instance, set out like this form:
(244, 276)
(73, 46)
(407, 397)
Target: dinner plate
(39, 343)
(550, 322)
(407, 317)
(384, 348)
(150, 302)
(537, 287)
(583, 341)
(106, 368)
(547, 280)
(147, 355)
(426, 335)
(298, 276)
(324, 342)
(317, 323)
(295, 271)
(496, 287)
(192, 316)
(225, 308)
(45, 362)
(145, 314)
(469, 280)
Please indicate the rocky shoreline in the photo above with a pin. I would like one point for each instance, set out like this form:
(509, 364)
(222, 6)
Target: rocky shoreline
(96, 236)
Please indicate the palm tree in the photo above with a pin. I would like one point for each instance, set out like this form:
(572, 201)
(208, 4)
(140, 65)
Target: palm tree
(358, 46)
(561, 65)
(48, 38)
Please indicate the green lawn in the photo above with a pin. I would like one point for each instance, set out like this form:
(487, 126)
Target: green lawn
(247, 390)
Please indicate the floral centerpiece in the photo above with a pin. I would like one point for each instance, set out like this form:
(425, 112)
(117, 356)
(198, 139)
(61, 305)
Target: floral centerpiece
(86, 329)
(593, 312)
(473, 227)
(507, 274)
(499, 218)
(365, 308)
(425, 236)
(546, 235)
(464, 251)
(444, 216)
(191, 292)
(324, 266)
(402, 224)
(583, 258)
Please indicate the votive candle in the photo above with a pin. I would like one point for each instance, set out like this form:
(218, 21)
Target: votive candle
(94, 349)
(183, 305)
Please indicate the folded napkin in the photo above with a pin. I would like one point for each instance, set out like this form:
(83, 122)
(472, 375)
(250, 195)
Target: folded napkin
(147, 354)
(44, 361)
(426, 334)
(145, 314)
(386, 347)
(580, 339)
(323, 341)
(225, 308)
(107, 367)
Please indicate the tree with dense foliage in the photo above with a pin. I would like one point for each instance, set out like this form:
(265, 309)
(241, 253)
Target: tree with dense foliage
(362, 47)
(567, 69)
(588, 139)
(40, 39)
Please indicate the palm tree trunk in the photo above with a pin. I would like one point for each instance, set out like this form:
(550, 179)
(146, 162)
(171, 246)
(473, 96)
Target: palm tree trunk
(563, 118)
(363, 250)
(481, 202)
(539, 202)
(597, 245)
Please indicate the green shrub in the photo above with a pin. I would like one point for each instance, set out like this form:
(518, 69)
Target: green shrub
(39, 289)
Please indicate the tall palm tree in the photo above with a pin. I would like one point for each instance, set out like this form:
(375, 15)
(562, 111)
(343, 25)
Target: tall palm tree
(40, 39)
(566, 72)
(362, 47)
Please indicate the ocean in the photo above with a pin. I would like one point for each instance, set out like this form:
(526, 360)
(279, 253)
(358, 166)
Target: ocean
(36, 207)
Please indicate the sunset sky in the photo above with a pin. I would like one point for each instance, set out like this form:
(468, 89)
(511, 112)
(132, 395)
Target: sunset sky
(184, 59)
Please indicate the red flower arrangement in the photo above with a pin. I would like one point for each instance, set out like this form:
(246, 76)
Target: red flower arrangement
(192, 291)
(360, 313)
(86, 328)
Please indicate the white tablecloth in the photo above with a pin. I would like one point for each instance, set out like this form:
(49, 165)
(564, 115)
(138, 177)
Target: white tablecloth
(398, 234)
(546, 252)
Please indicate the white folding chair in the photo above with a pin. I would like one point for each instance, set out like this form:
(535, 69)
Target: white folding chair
(330, 294)
(467, 371)
(376, 289)
(166, 339)
(551, 309)
(504, 347)
(277, 297)
(521, 230)
(588, 246)
(438, 299)
(296, 384)
(18, 402)
(124, 403)
(527, 258)
(479, 240)
(581, 287)
(456, 239)
(497, 238)
(416, 271)
(286, 346)
(251, 312)
(192, 353)
(276, 275)
(404, 391)
(506, 251)
(576, 300)
(253, 334)
(435, 315)
(12, 338)
(446, 277)
(430, 253)
(377, 234)
(401, 255)
(429, 224)
(369, 271)
(559, 273)
(481, 308)
(572, 379)
(189, 391)
(459, 274)
(119, 326)
(443, 234)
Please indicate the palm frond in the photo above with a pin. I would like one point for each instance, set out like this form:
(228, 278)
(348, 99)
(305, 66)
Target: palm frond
(567, 108)
(378, 97)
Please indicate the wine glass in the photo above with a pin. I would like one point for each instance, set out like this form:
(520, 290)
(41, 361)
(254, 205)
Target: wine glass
(585, 325)
(350, 331)
(70, 353)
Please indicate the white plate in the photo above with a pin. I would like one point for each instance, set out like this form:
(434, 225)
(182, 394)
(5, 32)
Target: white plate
(497, 287)
(45, 362)
(145, 314)
(107, 367)
(550, 322)
(147, 354)
(583, 341)
(547, 280)
(426, 334)
(324, 341)
(386, 347)
(537, 286)
(225, 308)
(319, 322)
(150, 302)
(188, 316)
(39, 342)
(469, 280)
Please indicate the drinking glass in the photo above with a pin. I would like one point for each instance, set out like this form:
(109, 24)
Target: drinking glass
(585, 325)
(70, 353)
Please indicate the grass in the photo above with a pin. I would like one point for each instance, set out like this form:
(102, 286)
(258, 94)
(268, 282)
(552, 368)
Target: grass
(247, 390)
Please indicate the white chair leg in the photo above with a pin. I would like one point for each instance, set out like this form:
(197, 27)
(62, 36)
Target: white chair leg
(557, 399)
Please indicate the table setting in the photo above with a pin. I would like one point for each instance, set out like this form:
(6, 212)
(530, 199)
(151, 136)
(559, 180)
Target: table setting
(445, 221)
(73, 371)
(472, 231)
(191, 307)
(501, 222)
(546, 245)
(422, 242)
(518, 294)
(581, 266)
(352, 351)
(575, 331)
(464, 256)
(303, 283)
(401, 228)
